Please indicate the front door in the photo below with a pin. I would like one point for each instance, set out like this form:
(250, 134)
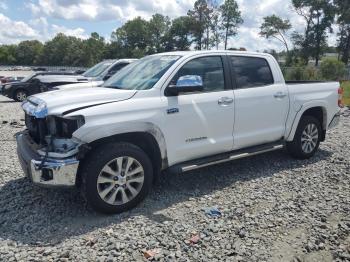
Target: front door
(200, 124)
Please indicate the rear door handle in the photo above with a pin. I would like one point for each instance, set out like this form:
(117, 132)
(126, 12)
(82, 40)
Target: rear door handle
(224, 101)
(280, 95)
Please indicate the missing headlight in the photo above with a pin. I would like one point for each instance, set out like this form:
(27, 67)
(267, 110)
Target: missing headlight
(66, 126)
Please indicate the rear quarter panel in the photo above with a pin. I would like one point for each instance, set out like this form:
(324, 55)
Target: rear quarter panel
(306, 96)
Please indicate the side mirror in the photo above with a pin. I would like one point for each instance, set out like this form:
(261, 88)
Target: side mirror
(185, 84)
(106, 77)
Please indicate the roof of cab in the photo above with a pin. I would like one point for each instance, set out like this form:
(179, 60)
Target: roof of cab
(191, 53)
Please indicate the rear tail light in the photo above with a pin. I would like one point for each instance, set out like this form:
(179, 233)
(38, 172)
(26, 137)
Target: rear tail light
(340, 97)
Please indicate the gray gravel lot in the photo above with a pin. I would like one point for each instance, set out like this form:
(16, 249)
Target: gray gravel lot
(15, 73)
(274, 208)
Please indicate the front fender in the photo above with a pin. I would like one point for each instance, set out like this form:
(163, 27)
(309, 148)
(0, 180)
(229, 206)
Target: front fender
(89, 134)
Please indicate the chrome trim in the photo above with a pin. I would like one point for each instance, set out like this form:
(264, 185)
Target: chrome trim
(53, 172)
(63, 172)
(231, 158)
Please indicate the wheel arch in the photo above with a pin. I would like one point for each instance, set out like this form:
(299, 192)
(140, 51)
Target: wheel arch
(20, 88)
(319, 111)
(149, 141)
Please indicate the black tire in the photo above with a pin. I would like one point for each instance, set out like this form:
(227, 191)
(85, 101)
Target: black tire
(295, 148)
(92, 167)
(20, 95)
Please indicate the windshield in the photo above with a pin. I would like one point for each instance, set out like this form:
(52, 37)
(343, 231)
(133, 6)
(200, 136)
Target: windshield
(142, 74)
(98, 69)
(27, 78)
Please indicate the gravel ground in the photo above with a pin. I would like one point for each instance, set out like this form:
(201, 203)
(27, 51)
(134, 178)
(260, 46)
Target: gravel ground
(15, 73)
(274, 208)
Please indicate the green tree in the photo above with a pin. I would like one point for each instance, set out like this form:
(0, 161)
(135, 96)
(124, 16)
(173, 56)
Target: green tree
(94, 49)
(159, 27)
(180, 33)
(332, 69)
(63, 50)
(29, 52)
(216, 29)
(275, 27)
(319, 16)
(8, 54)
(200, 15)
(231, 18)
(343, 11)
(115, 50)
(133, 35)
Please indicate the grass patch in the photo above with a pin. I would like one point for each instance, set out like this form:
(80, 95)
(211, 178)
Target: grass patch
(346, 96)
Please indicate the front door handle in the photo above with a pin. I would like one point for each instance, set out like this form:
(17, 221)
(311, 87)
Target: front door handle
(225, 101)
(280, 95)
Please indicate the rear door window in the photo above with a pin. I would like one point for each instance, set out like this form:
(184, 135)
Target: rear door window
(251, 71)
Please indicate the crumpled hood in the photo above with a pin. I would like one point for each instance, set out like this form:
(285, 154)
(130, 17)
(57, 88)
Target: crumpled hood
(60, 101)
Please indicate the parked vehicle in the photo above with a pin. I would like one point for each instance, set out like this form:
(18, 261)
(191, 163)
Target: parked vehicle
(9, 79)
(99, 78)
(177, 111)
(21, 89)
(48, 81)
(39, 69)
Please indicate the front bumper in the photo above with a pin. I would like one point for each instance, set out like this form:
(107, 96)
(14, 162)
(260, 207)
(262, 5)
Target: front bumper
(53, 172)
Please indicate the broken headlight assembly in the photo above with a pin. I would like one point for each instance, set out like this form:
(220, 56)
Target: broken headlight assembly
(59, 141)
(66, 126)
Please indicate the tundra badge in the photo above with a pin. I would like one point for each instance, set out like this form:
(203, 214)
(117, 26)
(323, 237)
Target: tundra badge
(172, 110)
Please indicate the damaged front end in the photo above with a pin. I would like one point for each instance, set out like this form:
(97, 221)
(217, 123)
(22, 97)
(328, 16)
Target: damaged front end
(48, 153)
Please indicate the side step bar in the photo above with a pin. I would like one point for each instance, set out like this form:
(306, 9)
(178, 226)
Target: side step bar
(217, 159)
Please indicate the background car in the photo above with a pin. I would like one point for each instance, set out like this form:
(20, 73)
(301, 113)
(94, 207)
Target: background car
(113, 68)
(20, 89)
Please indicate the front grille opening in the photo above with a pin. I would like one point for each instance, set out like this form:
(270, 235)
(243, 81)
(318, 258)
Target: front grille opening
(37, 128)
(47, 174)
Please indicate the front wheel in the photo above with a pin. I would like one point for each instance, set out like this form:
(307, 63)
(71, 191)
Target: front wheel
(20, 95)
(116, 177)
(306, 139)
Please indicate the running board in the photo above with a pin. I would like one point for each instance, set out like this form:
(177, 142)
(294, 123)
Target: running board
(222, 158)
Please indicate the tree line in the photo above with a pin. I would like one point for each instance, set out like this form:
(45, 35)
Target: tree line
(319, 17)
(208, 25)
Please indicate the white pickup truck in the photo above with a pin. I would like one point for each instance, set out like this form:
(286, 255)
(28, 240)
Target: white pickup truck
(174, 111)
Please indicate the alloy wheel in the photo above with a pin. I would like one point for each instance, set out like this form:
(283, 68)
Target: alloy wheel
(309, 138)
(120, 180)
(21, 96)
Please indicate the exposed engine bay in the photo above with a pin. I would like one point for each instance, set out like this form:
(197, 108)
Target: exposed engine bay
(53, 134)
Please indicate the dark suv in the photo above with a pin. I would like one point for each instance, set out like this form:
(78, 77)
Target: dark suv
(27, 86)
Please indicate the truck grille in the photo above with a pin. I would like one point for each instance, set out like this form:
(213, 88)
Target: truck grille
(37, 128)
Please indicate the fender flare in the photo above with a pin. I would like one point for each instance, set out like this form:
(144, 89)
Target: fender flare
(303, 109)
(124, 128)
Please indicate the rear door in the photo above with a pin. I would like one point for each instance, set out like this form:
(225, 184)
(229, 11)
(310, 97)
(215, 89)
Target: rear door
(200, 124)
(261, 104)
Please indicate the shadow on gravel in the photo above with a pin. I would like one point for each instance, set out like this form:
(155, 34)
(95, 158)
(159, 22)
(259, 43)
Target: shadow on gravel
(38, 216)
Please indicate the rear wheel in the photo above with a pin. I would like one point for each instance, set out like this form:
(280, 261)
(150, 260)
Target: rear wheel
(20, 95)
(116, 177)
(306, 139)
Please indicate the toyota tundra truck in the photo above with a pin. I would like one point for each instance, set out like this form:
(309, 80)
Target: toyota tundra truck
(176, 111)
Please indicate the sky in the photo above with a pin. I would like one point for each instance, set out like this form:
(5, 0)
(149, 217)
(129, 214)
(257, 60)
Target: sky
(43, 19)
